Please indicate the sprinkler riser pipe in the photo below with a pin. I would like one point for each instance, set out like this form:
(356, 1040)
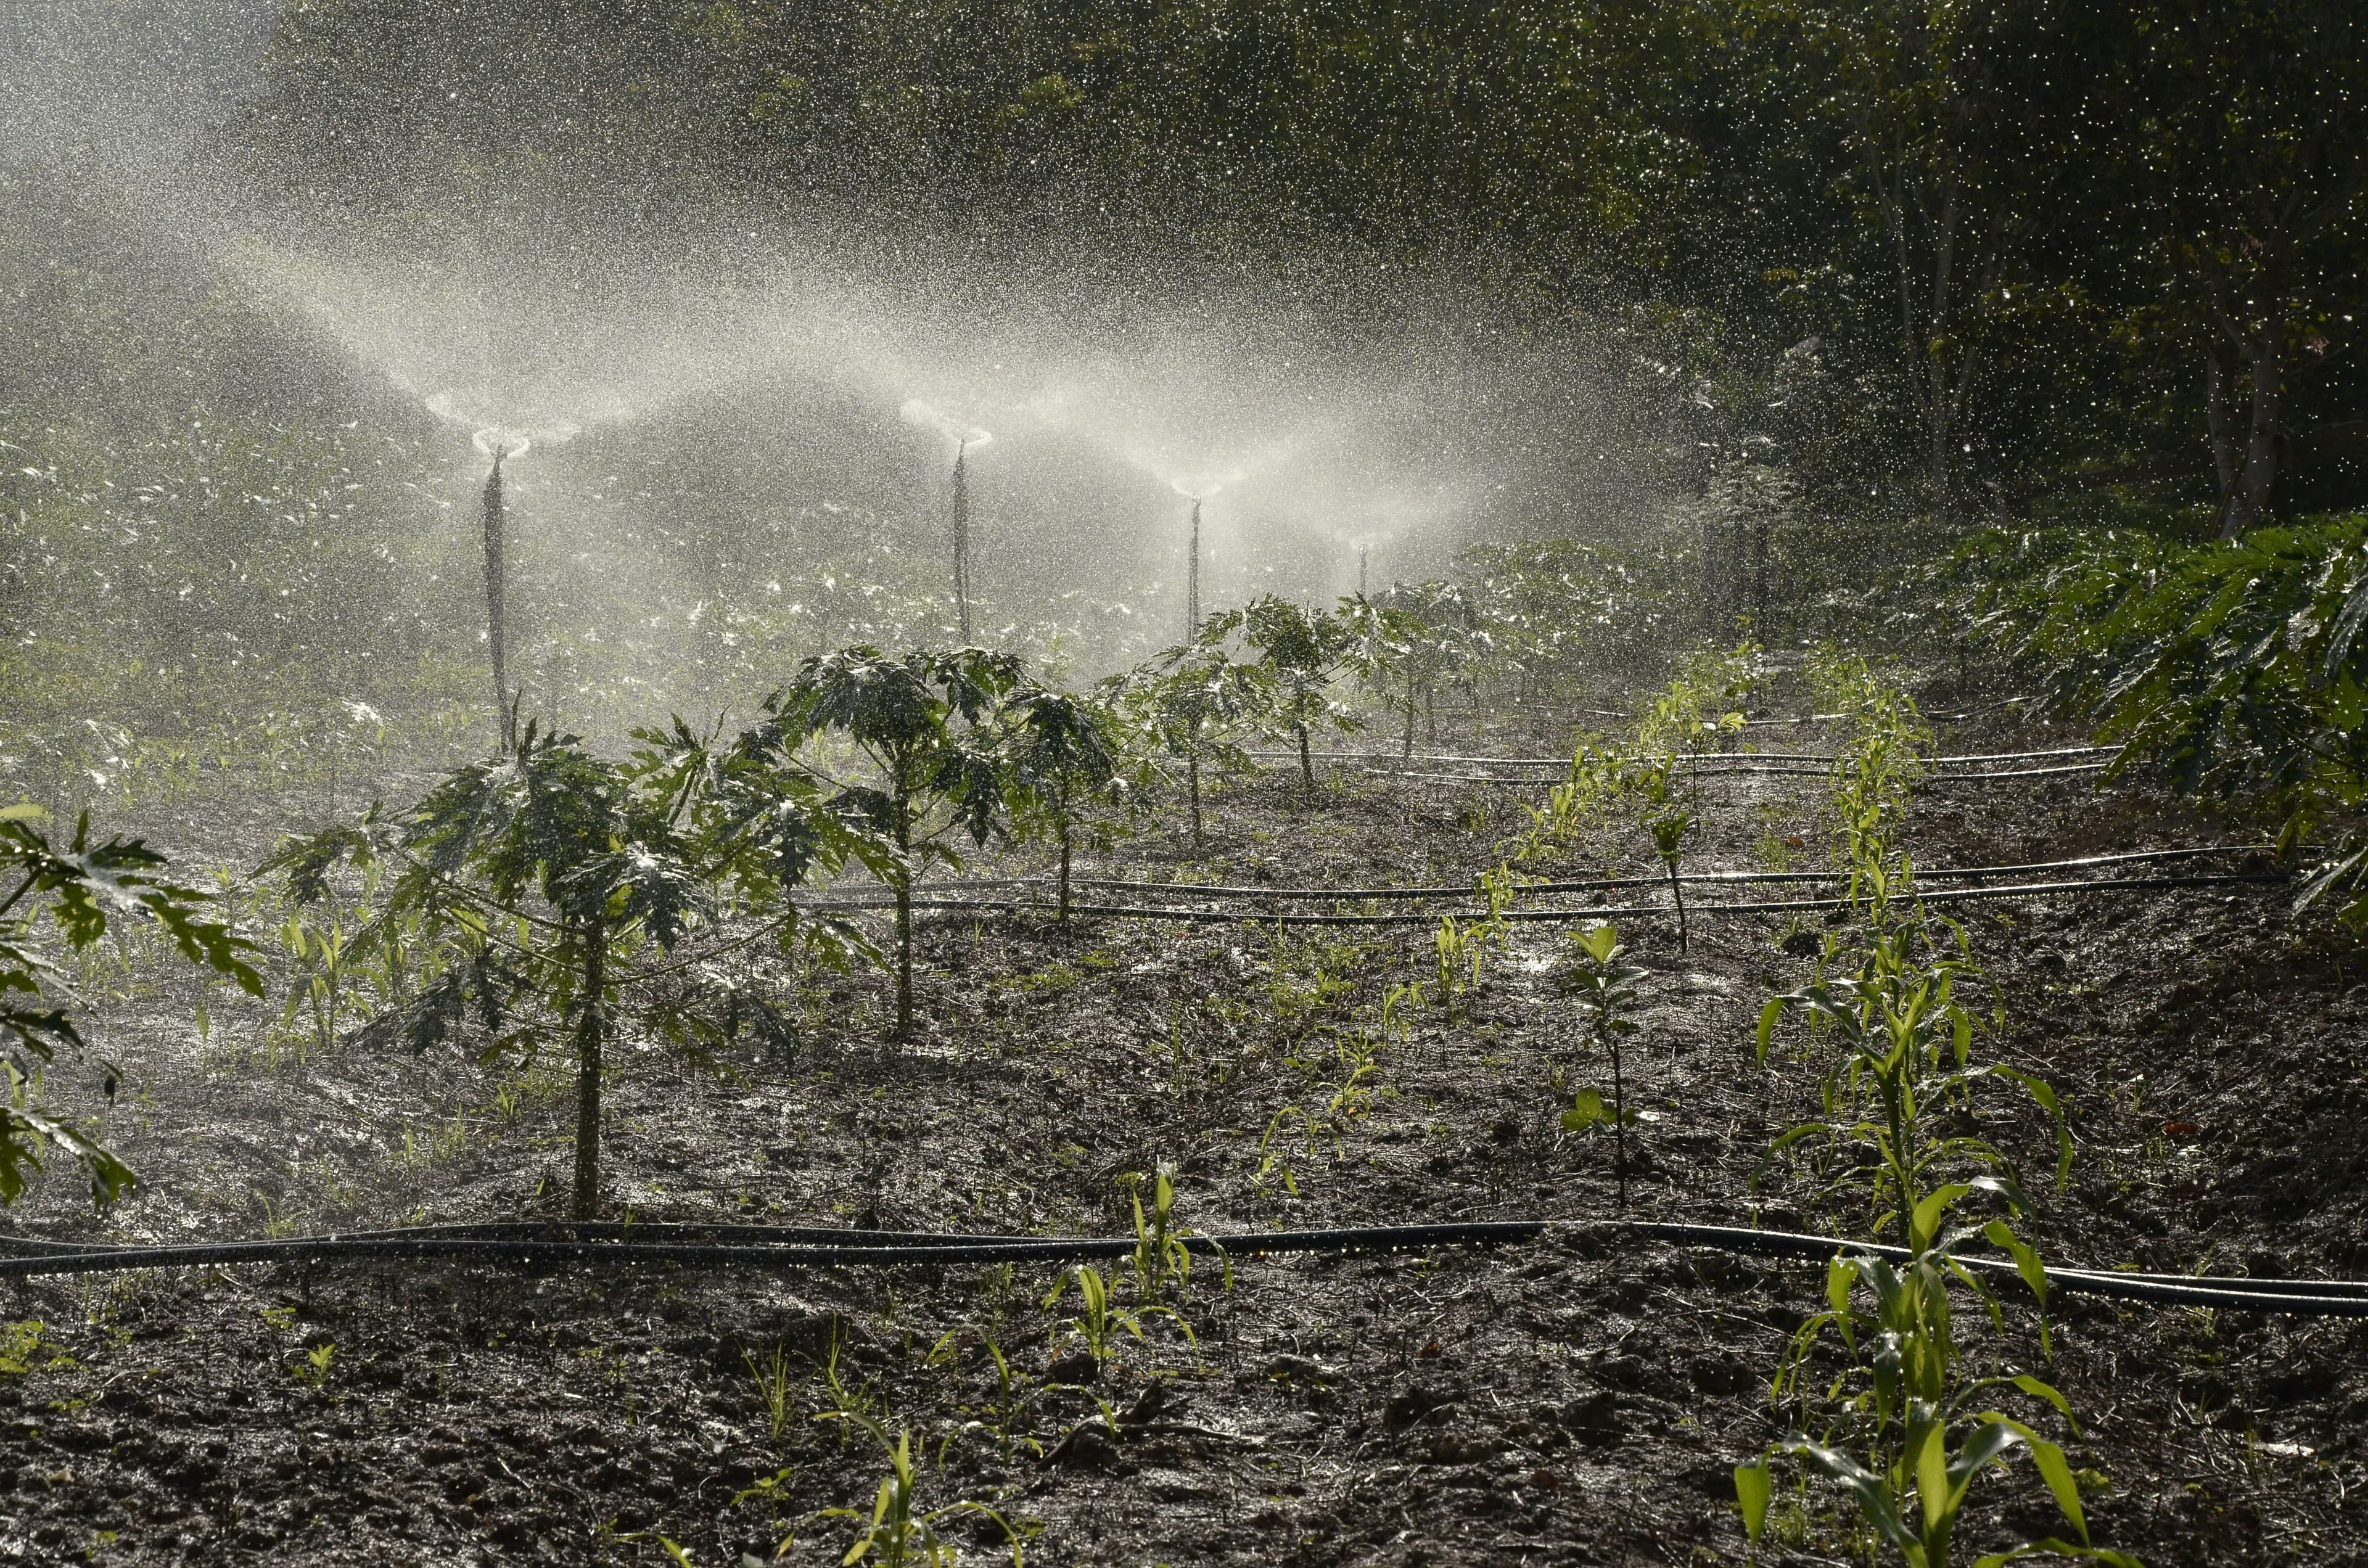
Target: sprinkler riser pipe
(962, 544)
(1193, 581)
(496, 590)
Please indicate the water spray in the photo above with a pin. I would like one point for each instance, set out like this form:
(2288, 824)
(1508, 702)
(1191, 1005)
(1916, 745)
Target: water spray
(964, 437)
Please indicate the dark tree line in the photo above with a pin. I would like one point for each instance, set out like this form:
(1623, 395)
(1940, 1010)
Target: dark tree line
(1956, 261)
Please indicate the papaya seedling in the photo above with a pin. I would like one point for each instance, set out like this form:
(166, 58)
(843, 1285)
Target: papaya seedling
(1606, 987)
(1669, 832)
(1194, 705)
(926, 723)
(540, 873)
(1064, 756)
(1302, 651)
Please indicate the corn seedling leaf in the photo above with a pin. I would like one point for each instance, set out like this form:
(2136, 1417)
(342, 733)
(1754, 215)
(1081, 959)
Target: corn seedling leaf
(1752, 1491)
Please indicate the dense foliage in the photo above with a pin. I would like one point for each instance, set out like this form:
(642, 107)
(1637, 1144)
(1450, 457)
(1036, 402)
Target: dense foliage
(82, 886)
(1932, 260)
(2238, 666)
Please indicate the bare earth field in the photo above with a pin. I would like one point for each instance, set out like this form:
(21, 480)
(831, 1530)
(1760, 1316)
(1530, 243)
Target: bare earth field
(1581, 1400)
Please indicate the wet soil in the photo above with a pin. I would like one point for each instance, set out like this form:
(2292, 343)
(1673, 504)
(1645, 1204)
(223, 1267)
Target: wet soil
(1581, 1400)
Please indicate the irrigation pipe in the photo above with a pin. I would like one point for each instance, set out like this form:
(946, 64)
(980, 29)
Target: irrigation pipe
(1599, 884)
(1729, 771)
(839, 1251)
(755, 1246)
(1957, 718)
(2308, 1298)
(1627, 912)
(1682, 757)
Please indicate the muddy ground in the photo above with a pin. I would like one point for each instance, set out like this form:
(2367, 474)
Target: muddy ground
(1577, 1400)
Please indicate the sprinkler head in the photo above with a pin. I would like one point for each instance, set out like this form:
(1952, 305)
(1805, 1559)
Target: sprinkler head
(499, 436)
(916, 412)
(497, 443)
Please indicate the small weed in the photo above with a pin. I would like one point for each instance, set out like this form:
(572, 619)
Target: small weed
(313, 1371)
(772, 1379)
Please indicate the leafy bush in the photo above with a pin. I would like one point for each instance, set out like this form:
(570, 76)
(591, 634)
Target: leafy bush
(534, 880)
(2236, 666)
(82, 886)
(926, 724)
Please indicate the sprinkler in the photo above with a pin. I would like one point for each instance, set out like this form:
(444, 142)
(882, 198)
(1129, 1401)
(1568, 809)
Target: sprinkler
(1192, 557)
(499, 440)
(965, 438)
(1193, 582)
(499, 444)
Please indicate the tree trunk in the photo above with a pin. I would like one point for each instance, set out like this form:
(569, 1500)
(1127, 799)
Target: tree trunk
(1193, 789)
(1760, 576)
(1306, 763)
(1408, 752)
(1677, 891)
(1713, 576)
(2215, 424)
(2252, 496)
(588, 1029)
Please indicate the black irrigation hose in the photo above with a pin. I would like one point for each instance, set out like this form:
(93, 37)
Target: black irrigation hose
(1564, 762)
(2309, 1298)
(837, 1251)
(759, 1246)
(873, 899)
(1625, 912)
(1739, 771)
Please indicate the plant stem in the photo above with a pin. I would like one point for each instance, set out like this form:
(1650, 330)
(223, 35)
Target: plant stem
(1060, 818)
(1678, 890)
(1619, 1124)
(1192, 788)
(903, 885)
(1306, 764)
(588, 1073)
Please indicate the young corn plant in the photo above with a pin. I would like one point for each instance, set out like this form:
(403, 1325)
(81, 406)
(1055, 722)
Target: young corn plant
(898, 1533)
(773, 1386)
(1160, 1255)
(1606, 988)
(1100, 1318)
(1904, 1058)
(1875, 775)
(1908, 1432)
